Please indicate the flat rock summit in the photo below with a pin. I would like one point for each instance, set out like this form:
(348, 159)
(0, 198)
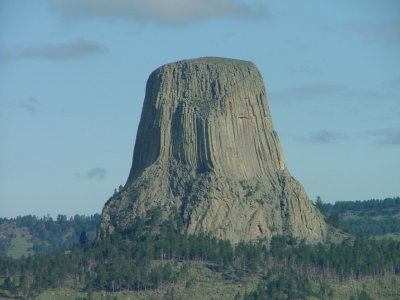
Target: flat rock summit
(206, 150)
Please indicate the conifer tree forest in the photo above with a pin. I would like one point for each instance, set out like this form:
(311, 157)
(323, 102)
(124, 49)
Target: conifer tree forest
(49, 235)
(374, 217)
(154, 252)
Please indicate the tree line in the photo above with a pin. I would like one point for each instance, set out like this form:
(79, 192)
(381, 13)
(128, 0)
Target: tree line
(373, 207)
(51, 235)
(374, 217)
(153, 252)
(55, 234)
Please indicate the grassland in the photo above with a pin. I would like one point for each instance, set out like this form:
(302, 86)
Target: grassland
(204, 283)
(20, 240)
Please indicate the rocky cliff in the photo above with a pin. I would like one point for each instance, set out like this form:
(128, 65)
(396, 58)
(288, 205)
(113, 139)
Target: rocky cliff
(206, 148)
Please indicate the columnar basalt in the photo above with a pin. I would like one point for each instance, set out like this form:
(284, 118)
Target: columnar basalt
(206, 148)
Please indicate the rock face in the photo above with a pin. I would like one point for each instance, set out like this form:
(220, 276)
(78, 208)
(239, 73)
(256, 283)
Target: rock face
(206, 148)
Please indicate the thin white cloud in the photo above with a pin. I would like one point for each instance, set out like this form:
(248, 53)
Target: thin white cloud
(371, 32)
(311, 70)
(328, 90)
(62, 51)
(30, 104)
(324, 137)
(98, 173)
(386, 136)
(94, 173)
(392, 84)
(171, 12)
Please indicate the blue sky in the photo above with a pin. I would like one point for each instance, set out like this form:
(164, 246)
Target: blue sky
(73, 74)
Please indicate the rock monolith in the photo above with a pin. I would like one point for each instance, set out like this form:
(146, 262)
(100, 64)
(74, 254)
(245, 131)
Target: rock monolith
(206, 149)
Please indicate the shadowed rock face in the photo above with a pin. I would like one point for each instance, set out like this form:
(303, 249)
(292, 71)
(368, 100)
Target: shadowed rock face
(206, 147)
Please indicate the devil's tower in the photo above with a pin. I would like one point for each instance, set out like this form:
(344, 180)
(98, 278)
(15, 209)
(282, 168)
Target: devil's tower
(206, 149)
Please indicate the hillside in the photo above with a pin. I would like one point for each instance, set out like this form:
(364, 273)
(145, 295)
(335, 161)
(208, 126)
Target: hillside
(168, 265)
(154, 261)
(29, 234)
(375, 217)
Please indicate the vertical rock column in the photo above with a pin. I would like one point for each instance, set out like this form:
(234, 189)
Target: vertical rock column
(206, 147)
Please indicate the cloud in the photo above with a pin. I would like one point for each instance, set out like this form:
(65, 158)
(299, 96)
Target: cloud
(387, 136)
(134, 32)
(371, 32)
(389, 32)
(311, 70)
(30, 104)
(392, 84)
(170, 12)
(324, 137)
(96, 173)
(72, 50)
(328, 90)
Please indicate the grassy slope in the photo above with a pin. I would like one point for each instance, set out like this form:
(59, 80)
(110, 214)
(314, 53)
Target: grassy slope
(203, 283)
(20, 244)
(394, 236)
(21, 240)
(378, 287)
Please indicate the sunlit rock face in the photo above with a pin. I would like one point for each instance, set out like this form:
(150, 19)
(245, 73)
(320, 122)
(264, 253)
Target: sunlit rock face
(206, 148)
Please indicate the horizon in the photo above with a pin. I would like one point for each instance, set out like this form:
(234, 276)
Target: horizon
(69, 217)
(73, 80)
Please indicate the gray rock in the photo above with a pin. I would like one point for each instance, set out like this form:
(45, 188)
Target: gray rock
(206, 147)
